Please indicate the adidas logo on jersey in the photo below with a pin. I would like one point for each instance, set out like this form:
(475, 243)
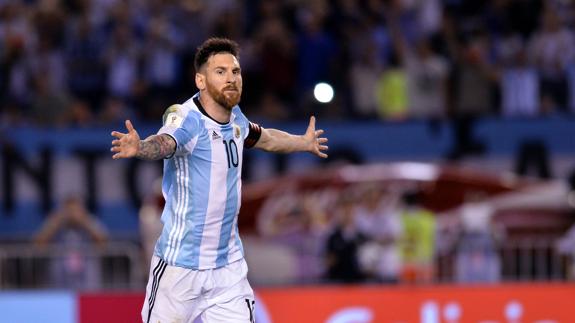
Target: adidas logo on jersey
(215, 135)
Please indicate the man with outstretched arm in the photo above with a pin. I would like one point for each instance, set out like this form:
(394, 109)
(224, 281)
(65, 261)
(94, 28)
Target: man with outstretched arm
(198, 268)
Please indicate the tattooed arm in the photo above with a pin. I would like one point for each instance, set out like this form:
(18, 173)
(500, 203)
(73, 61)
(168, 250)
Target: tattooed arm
(154, 147)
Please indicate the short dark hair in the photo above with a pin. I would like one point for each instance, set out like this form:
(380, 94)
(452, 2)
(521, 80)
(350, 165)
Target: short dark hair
(214, 46)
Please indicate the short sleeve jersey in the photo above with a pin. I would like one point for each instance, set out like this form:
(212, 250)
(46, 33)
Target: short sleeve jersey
(202, 186)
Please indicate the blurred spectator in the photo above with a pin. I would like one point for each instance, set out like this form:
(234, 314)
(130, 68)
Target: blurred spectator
(226, 23)
(47, 58)
(50, 23)
(86, 61)
(430, 14)
(552, 47)
(299, 220)
(474, 78)
(115, 110)
(276, 47)
(343, 245)
(74, 232)
(378, 219)
(418, 241)
(191, 16)
(391, 89)
(16, 39)
(161, 64)
(477, 257)
(271, 109)
(213, 11)
(123, 59)
(49, 107)
(150, 221)
(427, 82)
(364, 74)
(519, 81)
(426, 75)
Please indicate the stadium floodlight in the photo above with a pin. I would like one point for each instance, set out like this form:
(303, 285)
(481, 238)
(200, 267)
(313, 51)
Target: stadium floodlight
(323, 92)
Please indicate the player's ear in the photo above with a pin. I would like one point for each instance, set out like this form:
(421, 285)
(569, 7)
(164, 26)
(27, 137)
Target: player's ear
(200, 81)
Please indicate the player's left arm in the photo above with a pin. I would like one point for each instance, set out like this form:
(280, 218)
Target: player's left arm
(274, 140)
(155, 147)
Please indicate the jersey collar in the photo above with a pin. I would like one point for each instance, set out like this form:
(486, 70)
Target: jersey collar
(198, 103)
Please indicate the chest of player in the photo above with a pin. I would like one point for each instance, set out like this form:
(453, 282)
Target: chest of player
(221, 146)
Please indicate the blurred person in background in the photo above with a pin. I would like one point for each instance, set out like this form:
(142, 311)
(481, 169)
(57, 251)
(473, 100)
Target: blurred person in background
(417, 243)
(378, 219)
(299, 221)
(17, 39)
(161, 64)
(343, 244)
(73, 231)
(275, 45)
(199, 249)
(391, 90)
(49, 108)
(85, 57)
(115, 111)
(50, 100)
(550, 50)
(272, 109)
(474, 75)
(150, 220)
(426, 75)
(518, 79)
(364, 74)
(476, 251)
(123, 59)
(471, 86)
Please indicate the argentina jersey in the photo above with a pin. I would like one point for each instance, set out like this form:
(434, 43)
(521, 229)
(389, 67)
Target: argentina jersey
(202, 187)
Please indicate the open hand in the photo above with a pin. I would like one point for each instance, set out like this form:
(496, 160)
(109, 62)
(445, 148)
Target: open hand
(127, 144)
(316, 144)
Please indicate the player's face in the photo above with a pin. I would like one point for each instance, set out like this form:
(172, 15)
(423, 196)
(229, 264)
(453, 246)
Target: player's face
(224, 80)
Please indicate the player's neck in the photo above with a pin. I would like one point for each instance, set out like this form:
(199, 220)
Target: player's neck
(215, 110)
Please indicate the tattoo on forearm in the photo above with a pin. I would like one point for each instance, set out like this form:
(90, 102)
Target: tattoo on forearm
(156, 147)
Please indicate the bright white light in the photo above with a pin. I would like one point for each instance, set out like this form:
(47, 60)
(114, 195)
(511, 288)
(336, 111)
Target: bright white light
(323, 92)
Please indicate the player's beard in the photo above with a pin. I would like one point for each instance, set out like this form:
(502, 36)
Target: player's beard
(227, 99)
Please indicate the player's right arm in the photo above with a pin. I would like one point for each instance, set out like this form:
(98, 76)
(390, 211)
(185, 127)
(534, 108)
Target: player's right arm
(155, 147)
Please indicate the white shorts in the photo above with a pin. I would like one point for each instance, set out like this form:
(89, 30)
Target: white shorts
(181, 295)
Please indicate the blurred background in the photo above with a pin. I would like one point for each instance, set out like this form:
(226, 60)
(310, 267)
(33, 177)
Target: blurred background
(447, 196)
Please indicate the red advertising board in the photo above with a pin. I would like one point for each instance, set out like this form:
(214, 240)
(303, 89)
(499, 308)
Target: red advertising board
(508, 303)
(110, 307)
(501, 303)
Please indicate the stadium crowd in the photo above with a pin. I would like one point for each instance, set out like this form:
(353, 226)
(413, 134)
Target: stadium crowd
(90, 62)
(85, 63)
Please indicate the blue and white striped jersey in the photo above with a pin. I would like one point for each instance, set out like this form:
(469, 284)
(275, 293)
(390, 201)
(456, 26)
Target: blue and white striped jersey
(202, 187)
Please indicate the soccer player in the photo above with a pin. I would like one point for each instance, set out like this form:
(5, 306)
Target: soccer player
(198, 268)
